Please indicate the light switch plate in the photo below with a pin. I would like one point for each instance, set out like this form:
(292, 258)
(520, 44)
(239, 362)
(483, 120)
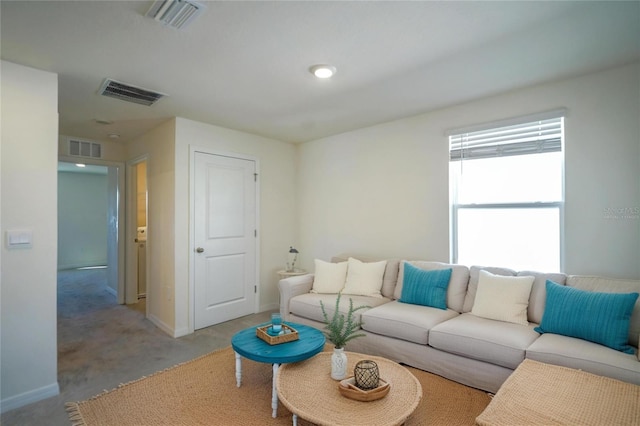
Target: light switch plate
(19, 239)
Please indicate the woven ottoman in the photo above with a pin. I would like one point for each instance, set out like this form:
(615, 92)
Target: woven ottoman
(544, 394)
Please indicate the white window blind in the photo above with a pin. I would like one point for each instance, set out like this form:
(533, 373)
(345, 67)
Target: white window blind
(520, 139)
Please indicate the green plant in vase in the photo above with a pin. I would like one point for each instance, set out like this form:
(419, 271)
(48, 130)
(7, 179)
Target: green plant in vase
(339, 330)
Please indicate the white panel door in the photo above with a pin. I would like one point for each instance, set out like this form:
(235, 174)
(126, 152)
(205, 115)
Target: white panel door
(225, 238)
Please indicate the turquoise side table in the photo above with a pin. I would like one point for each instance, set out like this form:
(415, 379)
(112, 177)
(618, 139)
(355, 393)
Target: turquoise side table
(246, 344)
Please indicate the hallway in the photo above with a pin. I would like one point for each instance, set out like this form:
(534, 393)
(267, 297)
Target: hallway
(102, 344)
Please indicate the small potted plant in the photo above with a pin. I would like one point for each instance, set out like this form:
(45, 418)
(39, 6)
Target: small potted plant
(339, 330)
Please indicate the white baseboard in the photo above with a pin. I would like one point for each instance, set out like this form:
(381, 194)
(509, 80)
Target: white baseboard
(29, 397)
(112, 291)
(169, 330)
(68, 266)
(161, 325)
(181, 332)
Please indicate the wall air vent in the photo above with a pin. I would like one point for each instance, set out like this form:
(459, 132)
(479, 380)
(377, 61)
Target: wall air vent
(84, 149)
(129, 93)
(175, 13)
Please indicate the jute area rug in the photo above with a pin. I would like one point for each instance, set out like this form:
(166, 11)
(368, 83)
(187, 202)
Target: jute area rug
(203, 392)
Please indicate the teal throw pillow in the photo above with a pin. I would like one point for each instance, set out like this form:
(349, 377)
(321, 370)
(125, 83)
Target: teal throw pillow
(598, 317)
(427, 288)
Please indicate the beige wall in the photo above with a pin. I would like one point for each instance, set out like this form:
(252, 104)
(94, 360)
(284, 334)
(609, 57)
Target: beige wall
(169, 241)
(383, 190)
(29, 201)
(111, 150)
(277, 227)
(159, 145)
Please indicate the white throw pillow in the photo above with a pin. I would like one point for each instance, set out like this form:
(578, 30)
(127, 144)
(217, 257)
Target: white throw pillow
(502, 298)
(329, 277)
(364, 279)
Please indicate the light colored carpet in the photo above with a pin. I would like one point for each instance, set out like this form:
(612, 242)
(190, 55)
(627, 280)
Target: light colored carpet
(544, 394)
(203, 392)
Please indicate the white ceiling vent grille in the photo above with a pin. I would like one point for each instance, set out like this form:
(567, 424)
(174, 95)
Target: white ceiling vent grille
(129, 93)
(84, 149)
(175, 13)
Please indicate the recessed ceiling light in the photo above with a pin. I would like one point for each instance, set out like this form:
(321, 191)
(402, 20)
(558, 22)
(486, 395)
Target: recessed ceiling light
(323, 71)
(80, 165)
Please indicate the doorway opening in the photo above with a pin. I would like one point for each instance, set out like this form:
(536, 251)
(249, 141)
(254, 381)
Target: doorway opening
(137, 239)
(141, 226)
(90, 215)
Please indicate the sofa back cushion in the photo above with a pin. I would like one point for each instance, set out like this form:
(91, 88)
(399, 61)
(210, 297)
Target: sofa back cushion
(538, 295)
(612, 285)
(457, 285)
(474, 274)
(390, 277)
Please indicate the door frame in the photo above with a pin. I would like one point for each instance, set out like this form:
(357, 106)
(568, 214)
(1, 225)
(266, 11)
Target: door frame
(192, 248)
(122, 195)
(131, 279)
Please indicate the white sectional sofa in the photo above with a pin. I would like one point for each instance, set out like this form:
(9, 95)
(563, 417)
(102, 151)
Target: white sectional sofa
(462, 342)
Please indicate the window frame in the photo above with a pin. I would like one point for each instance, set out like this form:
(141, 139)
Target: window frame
(453, 187)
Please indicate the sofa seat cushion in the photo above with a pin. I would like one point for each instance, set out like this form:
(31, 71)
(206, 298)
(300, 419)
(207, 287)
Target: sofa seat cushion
(497, 342)
(308, 305)
(584, 355)
(405, 321)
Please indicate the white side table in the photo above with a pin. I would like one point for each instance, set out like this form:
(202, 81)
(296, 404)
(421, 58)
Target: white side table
(286, 274)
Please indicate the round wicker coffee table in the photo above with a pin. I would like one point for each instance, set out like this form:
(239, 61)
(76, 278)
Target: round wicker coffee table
(308, 391)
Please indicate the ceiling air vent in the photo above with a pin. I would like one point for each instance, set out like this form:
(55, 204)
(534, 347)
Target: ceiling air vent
(175, 13)
(129, 93)
(85, 149)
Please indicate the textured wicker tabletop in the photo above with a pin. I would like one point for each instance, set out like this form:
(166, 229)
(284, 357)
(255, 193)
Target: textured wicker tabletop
(307, 389)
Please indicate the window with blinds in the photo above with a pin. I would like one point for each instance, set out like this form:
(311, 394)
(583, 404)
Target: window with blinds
(507, 196)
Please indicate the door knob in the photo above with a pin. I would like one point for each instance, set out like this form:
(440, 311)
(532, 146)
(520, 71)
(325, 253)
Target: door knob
(200, 250)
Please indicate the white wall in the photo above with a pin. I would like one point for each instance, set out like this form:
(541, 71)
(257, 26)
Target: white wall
(82, 220)
(29, 200)
(278, 225)
(383, 190)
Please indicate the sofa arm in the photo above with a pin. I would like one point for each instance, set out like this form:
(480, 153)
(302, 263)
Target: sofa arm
(291, 287)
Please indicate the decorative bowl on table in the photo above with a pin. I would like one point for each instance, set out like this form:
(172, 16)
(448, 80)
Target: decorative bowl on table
(287, 334)
(349, 389)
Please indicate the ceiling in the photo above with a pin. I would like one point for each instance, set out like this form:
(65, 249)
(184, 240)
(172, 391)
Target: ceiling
(244, 65)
